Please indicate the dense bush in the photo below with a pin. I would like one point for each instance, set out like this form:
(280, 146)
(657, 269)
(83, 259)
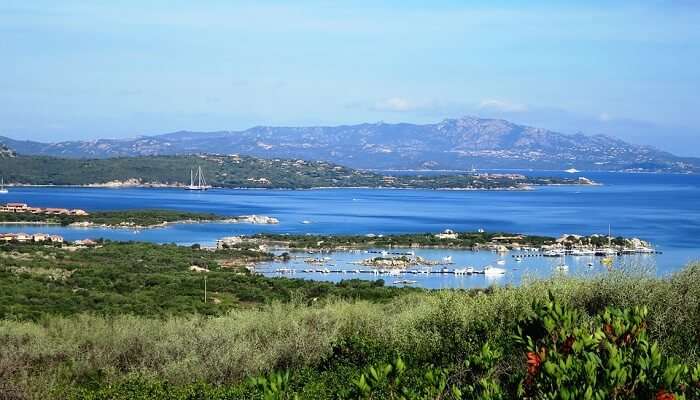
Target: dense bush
(463, 339)
(149, 279)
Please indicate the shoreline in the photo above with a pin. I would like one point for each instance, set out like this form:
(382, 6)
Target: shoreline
(526, 187)
(253, 220)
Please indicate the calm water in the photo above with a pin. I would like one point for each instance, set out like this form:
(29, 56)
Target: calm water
(664, 209)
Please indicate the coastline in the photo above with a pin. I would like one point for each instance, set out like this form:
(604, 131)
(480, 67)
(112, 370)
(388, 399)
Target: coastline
(248, 219)
(164, 186)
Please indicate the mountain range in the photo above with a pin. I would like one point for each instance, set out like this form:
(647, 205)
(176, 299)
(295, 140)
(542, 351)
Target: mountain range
(452, 144)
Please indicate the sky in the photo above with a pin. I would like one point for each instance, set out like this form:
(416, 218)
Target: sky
(74, 70)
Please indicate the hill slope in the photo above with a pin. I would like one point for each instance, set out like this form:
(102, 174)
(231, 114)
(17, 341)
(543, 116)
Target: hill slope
(235, 171)
(450, 144)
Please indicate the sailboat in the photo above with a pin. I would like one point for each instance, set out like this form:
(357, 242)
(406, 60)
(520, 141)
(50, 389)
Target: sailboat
(608, 251)
(3, 190)
(197, 181)
(562, 267)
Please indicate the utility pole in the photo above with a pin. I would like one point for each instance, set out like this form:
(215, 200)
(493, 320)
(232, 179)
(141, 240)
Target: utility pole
(205, 289)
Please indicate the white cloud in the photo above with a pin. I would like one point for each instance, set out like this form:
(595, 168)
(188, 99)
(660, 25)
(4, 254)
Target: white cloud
(604, 117)
(501, 105)
(397, 104)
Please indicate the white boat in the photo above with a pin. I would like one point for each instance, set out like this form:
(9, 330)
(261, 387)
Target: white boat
(491, 271)
(3, 190)
(562, 267)
(572, 170)
(552, 253)
(470, 270)
(395, 272)
(447, 260)
(501, 262)
(306, 222)
(645, 250)
(197, 181)
(460, 271)
(606, 252)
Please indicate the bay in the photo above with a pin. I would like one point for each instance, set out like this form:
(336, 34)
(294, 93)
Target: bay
(661, 208)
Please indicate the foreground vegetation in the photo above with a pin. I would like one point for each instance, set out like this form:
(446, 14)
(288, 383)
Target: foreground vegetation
(148, 280)
(234, 171)
(622, 335)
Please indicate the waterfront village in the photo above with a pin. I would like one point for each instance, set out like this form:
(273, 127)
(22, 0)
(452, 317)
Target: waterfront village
(390, 259)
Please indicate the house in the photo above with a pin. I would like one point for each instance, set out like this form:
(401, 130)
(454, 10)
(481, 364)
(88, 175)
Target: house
(56, 211)
(78, 211)
(507, 238)
(447, 234)
(16, 207)
(7, 237)
(228, 241)
(23, 237)
(56, 239)
(40, 237)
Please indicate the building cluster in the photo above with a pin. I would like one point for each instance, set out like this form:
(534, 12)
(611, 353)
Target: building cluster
(447, 234)
(24, 208)
(33, 237)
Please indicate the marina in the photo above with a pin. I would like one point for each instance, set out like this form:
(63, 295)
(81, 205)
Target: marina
(467, 269)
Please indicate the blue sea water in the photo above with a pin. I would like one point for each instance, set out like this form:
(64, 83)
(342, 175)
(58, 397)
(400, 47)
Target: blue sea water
(661, 208)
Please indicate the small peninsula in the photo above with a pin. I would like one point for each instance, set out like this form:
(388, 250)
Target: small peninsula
(19, 213)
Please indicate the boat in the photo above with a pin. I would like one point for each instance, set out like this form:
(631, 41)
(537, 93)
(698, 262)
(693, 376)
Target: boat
(305, 222)
(197, 181)
(492, 271)
(447, 260)
(3, 190)
(501, 262)
(460, 271)
(552, 253)
(405, 282)
(571, 170)
(470, 270)
(562, 267)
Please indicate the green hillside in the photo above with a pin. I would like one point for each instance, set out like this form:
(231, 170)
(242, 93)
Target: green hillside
(234, 171)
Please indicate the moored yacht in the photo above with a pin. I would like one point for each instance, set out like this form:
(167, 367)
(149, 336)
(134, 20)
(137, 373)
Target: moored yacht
(197, 181)
(491, 270)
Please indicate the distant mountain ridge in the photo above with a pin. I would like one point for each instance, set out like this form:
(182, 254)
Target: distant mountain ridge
(454, 144)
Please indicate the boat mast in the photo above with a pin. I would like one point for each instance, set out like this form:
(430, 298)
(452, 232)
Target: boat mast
(191, 177)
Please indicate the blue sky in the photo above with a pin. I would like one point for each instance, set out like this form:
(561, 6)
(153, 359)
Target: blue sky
(78, 70)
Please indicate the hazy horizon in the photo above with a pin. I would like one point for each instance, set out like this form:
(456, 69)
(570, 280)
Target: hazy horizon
(77, 71)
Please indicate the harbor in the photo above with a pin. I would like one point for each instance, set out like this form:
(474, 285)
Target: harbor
(454, 268)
